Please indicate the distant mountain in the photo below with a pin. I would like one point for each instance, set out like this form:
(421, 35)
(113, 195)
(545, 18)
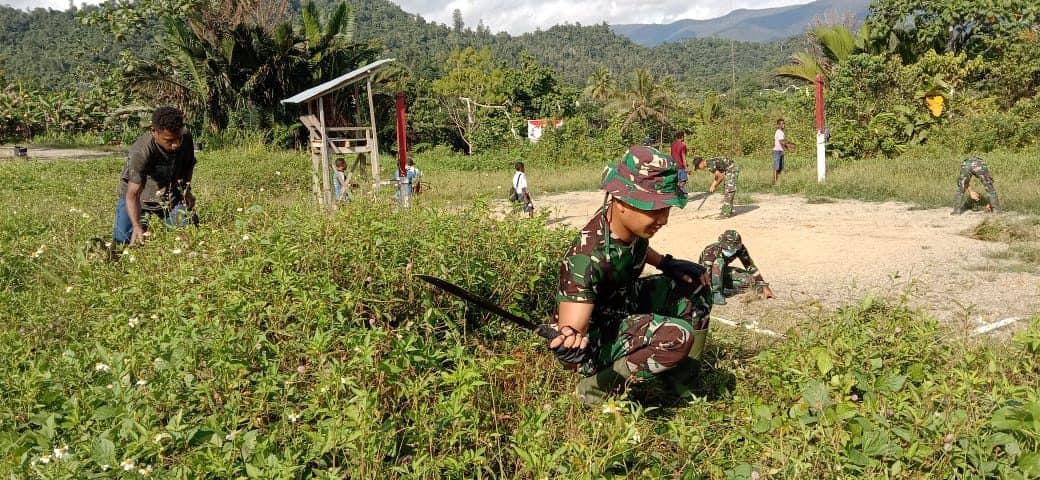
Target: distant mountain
(764, 25)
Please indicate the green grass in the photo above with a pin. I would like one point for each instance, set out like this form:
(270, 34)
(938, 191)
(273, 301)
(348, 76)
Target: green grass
(278, 342)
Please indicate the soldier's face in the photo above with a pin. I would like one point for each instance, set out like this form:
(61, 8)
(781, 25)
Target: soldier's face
(644, 223)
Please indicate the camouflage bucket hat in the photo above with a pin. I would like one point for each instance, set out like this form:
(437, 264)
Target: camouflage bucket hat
(646, 179)
(730, 240)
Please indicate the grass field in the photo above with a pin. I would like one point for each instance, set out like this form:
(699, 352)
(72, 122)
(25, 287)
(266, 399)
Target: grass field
(277, 342)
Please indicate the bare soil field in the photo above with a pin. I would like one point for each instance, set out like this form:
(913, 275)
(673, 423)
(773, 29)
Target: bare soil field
(833, 253)
(46, 153)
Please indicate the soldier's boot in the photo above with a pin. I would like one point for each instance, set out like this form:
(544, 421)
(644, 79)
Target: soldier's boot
(958, 204)
(596, 388)
(994, 203)
(727, 210)
(680, 377)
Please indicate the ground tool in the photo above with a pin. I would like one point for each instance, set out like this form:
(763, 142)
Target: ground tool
(544, 331)
(706, 195)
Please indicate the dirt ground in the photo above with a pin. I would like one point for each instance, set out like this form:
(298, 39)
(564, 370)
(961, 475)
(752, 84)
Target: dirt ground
(825, 255)
(45, 153)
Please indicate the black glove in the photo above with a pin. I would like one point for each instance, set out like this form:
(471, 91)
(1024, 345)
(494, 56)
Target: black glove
(676, 268)
(569, 355)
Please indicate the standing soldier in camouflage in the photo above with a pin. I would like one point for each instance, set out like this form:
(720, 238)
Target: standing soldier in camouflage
(977, 167)
(727, 281)
(723, 169)
(615, 326)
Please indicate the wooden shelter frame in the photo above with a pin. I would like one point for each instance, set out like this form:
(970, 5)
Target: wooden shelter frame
(330, 142)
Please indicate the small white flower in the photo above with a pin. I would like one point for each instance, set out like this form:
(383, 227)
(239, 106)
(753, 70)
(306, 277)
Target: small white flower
(45, 459)
(755, 475)
(142, 382)
(239, 209)
(293, 417)
(245, 237)
(84, 215)
(610, 408)
(147, 470)
(133, 322)
(177, 251)
(276, 172)
(126, 251)
(73, 210)
(325, 389)
(231, 436)
(109, 386)
(68, 289)
(37, 253)
(60, 453)
(127, 464)
(636, 438)
(147, 234)
(261, 189)
(155, 317)
(101, 367)
(132, 259)
(108, 244)
(105, 467)
(342, 380)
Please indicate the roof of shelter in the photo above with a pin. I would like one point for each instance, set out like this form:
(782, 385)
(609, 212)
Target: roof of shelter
(338, 82)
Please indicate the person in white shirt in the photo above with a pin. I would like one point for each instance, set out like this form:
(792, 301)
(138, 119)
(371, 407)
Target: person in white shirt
(520, 192)
(780, 146)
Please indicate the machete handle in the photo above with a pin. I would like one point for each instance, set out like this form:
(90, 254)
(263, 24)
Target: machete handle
(547, 332)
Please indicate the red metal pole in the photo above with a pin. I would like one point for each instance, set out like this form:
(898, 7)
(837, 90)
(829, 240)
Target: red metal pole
(402, 136)
(819, 103)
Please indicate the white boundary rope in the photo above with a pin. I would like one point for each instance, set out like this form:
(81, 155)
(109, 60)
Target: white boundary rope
(752, 326)
(989, 327)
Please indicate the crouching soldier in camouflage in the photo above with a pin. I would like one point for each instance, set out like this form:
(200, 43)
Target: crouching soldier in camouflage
(723, 169)
(977, 167)
(615, 326)
(727, 281)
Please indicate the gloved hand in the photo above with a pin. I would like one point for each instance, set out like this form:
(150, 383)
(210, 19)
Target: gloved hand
(677, 269)
(569, 345)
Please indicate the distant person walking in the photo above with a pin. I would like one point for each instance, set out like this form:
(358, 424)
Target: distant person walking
(521, 195)
(976, 167)
(156, 178)
(679, 155)
(780, 147)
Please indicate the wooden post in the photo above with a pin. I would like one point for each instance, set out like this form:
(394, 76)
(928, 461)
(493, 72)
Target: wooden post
(326, 192)
(375, 139)
(315, 160)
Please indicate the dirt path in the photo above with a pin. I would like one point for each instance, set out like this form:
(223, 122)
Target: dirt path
(45, 153)
(834, 254)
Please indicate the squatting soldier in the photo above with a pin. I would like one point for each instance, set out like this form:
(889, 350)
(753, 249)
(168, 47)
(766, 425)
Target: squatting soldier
(723, 169)
(727, 281)
(977, 167)
(615, 326)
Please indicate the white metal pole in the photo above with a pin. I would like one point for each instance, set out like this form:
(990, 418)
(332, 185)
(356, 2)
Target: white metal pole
(821, 157)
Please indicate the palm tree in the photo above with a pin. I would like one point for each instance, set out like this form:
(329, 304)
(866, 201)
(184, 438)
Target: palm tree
(644, 100)
(831, 45)
(600, 86)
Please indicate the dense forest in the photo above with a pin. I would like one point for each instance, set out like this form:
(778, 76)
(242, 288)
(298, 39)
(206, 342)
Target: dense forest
(912, 72)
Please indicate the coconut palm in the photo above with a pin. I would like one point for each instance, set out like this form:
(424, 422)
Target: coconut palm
(831, 45)
(645, 99)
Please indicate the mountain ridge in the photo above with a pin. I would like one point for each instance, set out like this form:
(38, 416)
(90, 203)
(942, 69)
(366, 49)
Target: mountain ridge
(758, 25)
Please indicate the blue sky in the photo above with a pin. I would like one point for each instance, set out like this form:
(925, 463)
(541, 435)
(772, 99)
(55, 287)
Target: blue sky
(519, 16)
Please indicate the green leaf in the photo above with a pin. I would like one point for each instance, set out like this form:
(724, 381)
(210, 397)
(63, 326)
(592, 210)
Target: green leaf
(893, 383)
(823, 360)
(104, 451)
(1030, 464)
(816, 395)
(252, 471)
(248, 444)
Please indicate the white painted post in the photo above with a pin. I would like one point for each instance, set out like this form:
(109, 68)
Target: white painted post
(821, 157)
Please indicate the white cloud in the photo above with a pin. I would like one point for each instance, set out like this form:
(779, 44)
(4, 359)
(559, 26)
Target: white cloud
(518, 17)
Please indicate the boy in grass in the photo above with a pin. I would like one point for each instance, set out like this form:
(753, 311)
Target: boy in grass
(723, 169)
(156, 178)
(615, 326)
(727, 281)
(340, 180)
(976, 167)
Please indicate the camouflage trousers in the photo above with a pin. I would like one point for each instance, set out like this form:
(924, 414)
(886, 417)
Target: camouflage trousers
(734, 281)
(982, 173)
(654, 325)
(730, 189)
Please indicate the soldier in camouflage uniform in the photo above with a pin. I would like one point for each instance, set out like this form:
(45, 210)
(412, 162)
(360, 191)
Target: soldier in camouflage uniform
(727, 281)
(977, 167)
(615, 326)
(723, 169)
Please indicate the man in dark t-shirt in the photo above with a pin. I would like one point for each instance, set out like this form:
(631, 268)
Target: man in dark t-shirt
(156, 178)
